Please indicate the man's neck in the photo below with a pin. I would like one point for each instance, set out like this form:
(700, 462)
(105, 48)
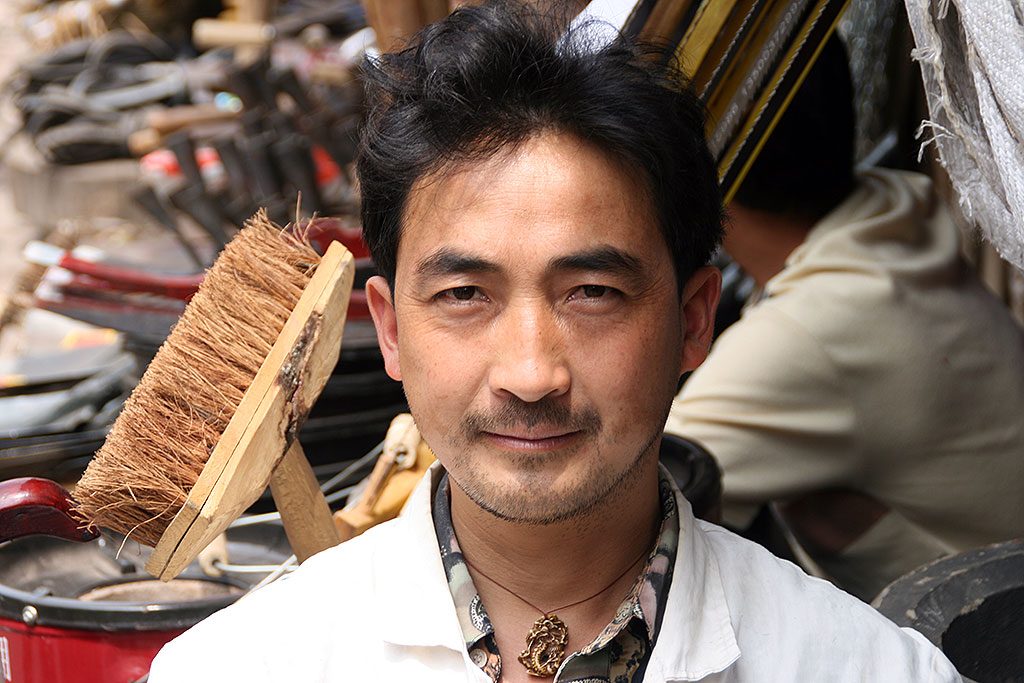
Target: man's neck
(551, 565)
(761, 241)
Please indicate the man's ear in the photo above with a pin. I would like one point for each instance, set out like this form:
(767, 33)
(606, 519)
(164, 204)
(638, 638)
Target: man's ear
(382, 309)
(699, 301)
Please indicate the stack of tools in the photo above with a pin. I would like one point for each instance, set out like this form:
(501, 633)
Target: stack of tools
(289, 147)
(119, 95)
(56, 408)
(80, 102)
(220, 136)
(745, 58)
(125, 93)
(268, 120)
(52, 24)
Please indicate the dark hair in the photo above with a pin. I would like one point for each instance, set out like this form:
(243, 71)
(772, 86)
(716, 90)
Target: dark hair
(806, 166)
(487, 78)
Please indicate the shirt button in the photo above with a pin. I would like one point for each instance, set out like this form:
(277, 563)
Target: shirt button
(478, 657)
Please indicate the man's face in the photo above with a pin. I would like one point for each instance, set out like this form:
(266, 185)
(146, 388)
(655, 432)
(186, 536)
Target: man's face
(537, 327)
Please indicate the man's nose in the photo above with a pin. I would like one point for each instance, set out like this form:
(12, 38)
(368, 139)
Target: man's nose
(529, 360)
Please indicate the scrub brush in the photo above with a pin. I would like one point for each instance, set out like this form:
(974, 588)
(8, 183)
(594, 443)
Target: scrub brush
(214, 418)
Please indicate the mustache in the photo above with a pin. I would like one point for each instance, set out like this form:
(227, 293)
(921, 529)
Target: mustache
(516, 412)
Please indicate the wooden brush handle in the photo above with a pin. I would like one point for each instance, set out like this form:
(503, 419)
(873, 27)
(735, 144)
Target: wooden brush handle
(304, 511)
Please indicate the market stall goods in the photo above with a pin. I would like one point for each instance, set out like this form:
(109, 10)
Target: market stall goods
(226, 394)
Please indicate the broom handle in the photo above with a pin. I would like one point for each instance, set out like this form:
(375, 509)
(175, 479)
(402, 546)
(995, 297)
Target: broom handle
(304, 511)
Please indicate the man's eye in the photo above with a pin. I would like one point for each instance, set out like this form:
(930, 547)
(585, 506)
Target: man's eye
(595, 295)
(467, 293)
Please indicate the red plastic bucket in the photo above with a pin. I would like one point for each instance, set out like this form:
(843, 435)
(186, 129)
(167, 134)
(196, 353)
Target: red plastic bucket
(75, 613)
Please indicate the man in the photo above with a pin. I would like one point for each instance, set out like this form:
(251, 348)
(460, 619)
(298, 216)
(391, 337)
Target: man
(874, 391)
(542, 214)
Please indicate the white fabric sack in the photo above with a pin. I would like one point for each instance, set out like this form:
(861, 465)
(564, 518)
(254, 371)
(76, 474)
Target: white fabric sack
(972, 56)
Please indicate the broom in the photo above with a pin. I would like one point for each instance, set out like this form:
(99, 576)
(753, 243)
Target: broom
(214, 418)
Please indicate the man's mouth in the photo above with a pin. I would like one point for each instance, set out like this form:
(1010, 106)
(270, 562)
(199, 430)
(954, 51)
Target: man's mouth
(532, 440)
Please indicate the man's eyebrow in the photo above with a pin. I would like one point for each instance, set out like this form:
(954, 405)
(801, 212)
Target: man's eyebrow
(448, 261)
(600, 259)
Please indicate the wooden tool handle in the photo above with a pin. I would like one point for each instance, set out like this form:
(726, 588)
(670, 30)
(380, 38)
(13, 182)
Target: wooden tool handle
(144, 141)
(171, 119)
(210, 33)
(255, 10)
(375, 483)
(304, 511)
(398, 20)
(390, 499)
(400, 444)
(433, 10)
(30, 506)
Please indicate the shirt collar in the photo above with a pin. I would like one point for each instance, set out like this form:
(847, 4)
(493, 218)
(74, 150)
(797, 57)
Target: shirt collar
(645, 601)
(472, 616)
(416, 607)
(696, 637)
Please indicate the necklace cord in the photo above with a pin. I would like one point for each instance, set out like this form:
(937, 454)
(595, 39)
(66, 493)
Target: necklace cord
(632, 564)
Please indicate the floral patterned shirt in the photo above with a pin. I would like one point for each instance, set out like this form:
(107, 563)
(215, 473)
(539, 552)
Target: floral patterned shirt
(621, 651)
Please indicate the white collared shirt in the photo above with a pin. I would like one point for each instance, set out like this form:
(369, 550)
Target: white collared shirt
(378, 608)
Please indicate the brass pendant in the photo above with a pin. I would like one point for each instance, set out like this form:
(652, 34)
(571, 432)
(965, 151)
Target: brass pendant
(545, 646)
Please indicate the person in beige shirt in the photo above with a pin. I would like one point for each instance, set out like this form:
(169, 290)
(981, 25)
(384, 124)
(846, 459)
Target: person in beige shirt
(874, 392)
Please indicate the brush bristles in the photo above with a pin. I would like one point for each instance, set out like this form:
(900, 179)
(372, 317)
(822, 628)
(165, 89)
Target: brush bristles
(170, 424)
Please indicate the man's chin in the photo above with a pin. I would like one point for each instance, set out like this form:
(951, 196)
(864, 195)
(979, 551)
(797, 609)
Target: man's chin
(530, 511)
(536, 500)
(549, 487)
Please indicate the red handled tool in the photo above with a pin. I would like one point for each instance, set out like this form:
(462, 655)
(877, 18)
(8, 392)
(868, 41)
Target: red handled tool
(31, 506)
